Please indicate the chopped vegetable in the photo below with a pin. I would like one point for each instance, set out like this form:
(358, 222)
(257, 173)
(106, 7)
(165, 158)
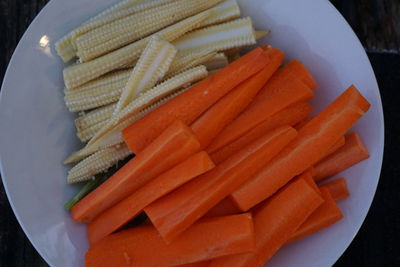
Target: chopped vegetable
(338, 144)
(313, 142)
(337, 188)
(191, 104)
(223, 208)
(275, 221)
(236, 33)
(152, 161)
(232, 104)
(143, 246)
(288, 116)
(97, 163)
(225, 11)
(94, 117)
(87, 133)
(149, 70)
(176, 212)
(325, 215)
(352, 152)
(118, 215)
(218, 61)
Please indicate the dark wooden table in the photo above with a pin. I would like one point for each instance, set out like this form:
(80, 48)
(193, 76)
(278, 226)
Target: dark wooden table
(377, 23)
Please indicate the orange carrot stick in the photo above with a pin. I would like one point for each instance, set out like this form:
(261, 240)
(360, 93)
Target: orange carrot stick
(174, 213)
(175, 144)
(352, 152)
(297, 69)
(280, 92)
(118, 215)
(227, 108)
(191, 104)
(337, 188)
(326, 215)
(308, 177)
(313, 142)
(205, 240)
(301, 124)
(338, 144)
(288, 116)
(275, 221)
(223, 208)
(196, 264)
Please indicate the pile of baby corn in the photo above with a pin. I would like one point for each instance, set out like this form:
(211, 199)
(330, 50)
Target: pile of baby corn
(136, 56)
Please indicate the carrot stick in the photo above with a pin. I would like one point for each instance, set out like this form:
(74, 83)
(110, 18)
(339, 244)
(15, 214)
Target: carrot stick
(174, 213)
(280, 92)
(227, 108)
(288, 116)
(175, 144)
(308, 177)
(205, 240)
(299, 70)
(275, 221)
(313, 142)
(301, 124)
(191, 104)
(352, 152)
(196, 264)
(326, 215)
(338, 144)
(337, 188)
(118, 215)
(223, 208)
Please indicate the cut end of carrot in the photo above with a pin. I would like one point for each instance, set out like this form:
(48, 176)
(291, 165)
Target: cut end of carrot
(337, 188)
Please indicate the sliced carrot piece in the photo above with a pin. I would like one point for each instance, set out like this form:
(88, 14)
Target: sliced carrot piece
(223, 208)
(338, 144)
(299, 70)
(326, 215)
(205, 240)
(275, 221)
(337, 188)
(175, 144)
(280, 92)
(227, 108)
(191, 104)
(174, 213)
(288, 116)
(352, 152)
(118, 215)
(313, 142)
(308, 177)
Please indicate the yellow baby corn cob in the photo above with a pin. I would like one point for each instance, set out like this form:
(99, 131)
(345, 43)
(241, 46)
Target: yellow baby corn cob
(145, 103)
(79, 74)
(236, 33)
(87, 133)
(134, 27)
(117, 12)
(66, 47)
(185, 61)
(94, 117)
(151, 67)
(225, 11)
(219, 61)
(97, 163)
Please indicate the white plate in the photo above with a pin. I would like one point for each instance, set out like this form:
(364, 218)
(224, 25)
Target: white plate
(37, 131)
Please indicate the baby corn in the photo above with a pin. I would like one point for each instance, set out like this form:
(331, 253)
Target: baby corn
(151, 67)
(134, 27)
(94, 117)
(225, 11)
(185, 61)
(218, 61)
(87, 133)
(236, 33)
(97, 163)
(79, 74)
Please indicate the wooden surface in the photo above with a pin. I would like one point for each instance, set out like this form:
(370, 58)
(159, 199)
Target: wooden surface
(377, 23)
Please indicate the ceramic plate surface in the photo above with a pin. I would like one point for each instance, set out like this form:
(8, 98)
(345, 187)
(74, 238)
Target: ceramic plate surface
(37, 132)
